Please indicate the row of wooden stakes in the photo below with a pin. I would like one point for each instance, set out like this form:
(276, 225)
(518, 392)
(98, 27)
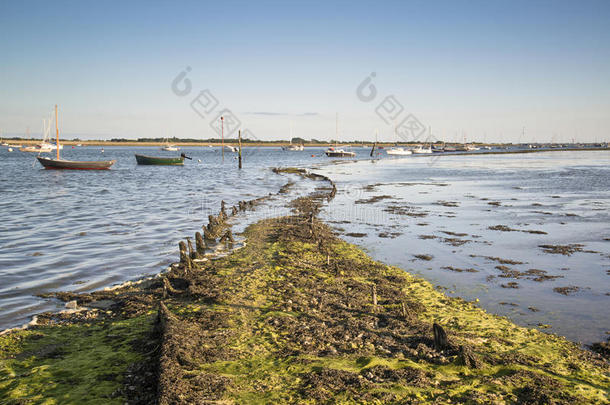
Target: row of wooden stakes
(216, 229)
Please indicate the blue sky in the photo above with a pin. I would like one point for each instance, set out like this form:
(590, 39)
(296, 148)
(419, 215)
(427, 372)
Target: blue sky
(483, 70)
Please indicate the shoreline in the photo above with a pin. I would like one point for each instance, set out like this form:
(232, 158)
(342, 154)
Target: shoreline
(277, 144)
(297, 314)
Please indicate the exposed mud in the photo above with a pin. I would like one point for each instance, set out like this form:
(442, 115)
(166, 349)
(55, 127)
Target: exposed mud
(374, 199)
(504, 228)
(458, 270)
(448, 203)
(566, 250)
(405, 210)
(356, 234)
(572, 289)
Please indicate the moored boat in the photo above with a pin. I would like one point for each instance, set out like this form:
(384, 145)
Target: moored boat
(332, 152)
(294, 148)
(40, 148)
(49, 163)
(160, 160)
(63, 164)
(169, 147)
(399, 151)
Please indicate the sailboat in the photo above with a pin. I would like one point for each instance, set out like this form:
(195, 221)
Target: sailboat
(49, 163)
(333, 151)
(168, 147)
(398, 150)
(291, 147)
(44, 146)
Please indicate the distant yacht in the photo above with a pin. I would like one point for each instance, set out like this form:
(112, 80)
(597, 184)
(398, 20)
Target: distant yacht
(168, 147)
(332, 151)
(293, 147)
(45, 146)
(399, 151)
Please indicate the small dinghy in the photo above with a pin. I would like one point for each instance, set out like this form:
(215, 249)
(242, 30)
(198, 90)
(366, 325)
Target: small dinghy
(161, 160)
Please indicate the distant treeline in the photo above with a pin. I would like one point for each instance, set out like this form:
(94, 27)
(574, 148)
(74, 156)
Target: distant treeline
(226, 140)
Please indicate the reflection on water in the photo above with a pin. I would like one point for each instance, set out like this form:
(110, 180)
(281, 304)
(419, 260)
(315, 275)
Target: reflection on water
(475, 225)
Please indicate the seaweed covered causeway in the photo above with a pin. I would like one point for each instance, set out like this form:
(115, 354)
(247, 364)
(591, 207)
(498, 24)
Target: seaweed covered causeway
(295, 316)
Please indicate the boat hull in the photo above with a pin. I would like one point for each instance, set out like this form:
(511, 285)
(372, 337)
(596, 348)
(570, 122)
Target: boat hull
(340, 154)
(159, 161)
(35, 149)
(60, 164)
(399, 152)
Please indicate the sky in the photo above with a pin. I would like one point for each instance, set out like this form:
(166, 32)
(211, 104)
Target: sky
(494, 71)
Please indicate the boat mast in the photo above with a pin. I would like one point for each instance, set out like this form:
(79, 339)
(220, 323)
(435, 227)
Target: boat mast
(336, 128)
(57, 132)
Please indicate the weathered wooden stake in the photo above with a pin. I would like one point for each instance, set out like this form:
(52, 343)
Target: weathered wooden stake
(199, 243)
(239, 156)
(190, 246)
(440, 337)
(468, 358)
(184, 257)
(373, 149)
(228, 236)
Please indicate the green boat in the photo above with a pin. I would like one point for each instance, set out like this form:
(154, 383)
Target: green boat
(162, 161)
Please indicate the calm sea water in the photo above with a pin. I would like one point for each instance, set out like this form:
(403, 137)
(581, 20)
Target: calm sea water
(80, 231)
(85, 230)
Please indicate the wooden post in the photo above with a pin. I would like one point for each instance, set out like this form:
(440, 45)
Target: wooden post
(440, 337)
(223, 207)
(373, 149)
(184, 257)
(192, 252)
(199, 243)
(222, 132)
(227, 237)
(239, 157)
(374, 294)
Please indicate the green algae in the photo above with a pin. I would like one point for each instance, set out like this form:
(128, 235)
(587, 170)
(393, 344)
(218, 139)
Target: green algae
(69, 364)
(289, 318)
(269, 366)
